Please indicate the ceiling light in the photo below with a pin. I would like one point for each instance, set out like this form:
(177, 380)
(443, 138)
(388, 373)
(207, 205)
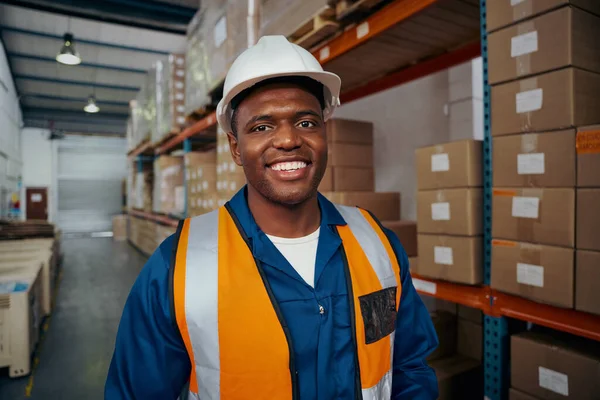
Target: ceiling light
(68, 55)
(91, 106)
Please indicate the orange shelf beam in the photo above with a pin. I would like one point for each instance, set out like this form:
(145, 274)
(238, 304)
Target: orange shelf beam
(377, 23)
(207, 122)
(162, 219)
(424, 68)
(470, 296)
(141, 149)
(571, 321)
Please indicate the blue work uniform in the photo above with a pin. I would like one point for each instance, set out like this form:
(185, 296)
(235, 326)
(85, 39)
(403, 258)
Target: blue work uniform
(151, 362)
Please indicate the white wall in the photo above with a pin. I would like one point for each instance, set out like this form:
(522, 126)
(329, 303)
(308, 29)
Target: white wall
(39, 165)
(10, 125)
(439, 108)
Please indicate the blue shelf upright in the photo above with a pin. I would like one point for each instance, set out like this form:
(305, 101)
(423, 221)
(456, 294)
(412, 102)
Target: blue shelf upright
(495, 333)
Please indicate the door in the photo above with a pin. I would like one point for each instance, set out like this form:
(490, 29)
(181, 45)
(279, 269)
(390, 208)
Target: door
(37, 203)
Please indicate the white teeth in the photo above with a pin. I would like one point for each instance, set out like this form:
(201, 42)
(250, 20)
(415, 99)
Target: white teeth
(288, 166)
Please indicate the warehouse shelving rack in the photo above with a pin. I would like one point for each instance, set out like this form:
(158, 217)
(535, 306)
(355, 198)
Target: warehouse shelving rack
(406, 40)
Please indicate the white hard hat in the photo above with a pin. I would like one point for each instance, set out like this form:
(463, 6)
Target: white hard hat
(272, 57)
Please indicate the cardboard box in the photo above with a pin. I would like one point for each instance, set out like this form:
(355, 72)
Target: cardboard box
(470, 314)
(350, 155)
(459, 377)
(536, 215)
(535, 160)
(385, 206)
(551, 368)
(119, 225)
(445, 327)
(451, 258)
(588, 219)
(349, 131)
(545, 274)
(413, 263)
(340, 179)
(450, 165)
(587, 286)
(199, 158)
(450, 211)
(588, 156)
(407, 234)
(554, 100)
(561, 38)
(469, 339)
(501, 13)
(514, 394)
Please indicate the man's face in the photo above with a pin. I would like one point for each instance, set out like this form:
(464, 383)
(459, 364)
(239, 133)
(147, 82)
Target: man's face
(281, 143)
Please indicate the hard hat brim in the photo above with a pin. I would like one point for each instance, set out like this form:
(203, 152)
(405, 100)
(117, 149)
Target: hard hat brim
(331, 86)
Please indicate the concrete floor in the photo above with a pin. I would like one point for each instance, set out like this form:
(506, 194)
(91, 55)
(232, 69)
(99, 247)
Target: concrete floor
(76, 351)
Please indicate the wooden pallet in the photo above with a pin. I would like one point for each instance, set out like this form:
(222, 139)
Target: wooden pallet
(167, 137)
(316, 29)
(198, 114)
(347, 9)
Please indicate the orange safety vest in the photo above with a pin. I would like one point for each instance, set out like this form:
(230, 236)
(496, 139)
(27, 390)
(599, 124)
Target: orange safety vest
(231, 324)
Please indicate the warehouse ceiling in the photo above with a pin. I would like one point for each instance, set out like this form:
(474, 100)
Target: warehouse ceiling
(118, 41)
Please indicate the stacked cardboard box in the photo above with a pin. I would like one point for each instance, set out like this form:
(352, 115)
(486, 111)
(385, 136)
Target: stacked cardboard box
(143, 187)
(170, 96)
(119, 226)
(285, 17)
(545, 366)
(449, 211)
(163, 232)
(201, 181)
(142, 234)
(169, 178)
(218, 33)
(349, 178)
(230, 176)
(545, 76)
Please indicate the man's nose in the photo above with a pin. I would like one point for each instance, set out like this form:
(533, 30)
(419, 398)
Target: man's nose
(287, 137)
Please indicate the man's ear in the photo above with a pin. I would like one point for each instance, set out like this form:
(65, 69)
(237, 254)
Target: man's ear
(233, 147)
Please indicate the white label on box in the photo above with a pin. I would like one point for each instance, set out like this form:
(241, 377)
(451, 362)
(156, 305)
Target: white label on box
(232, 186)
(324, 53)
(443, 255)
(218, 168)
(529, 274)
(362, 30)
(181, 109)
(179, 96)
(178, 85)
(194, 176)
(36, 198)
(530, 100)
(205, 185)
(219, 185)
(199, 187)
(440, 211)
(200, 172)
(524, 44)
(180, 73)
(220, 31)
(530, 164)
(425, 286)
(440, 162)
(526, 207)
(232, 166)
(554, 381)
(515, 2)
(193, 189)
(180, 120)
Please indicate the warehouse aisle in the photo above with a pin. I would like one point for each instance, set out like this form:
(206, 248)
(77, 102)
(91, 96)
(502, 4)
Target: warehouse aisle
(75, 354)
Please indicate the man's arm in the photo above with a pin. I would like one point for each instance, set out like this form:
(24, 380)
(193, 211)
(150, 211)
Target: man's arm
(415, 339)
(150, 360)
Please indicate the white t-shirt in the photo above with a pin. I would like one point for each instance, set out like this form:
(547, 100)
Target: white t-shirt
(301, 253)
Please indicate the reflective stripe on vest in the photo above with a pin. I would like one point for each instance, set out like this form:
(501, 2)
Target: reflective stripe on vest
(229, 323)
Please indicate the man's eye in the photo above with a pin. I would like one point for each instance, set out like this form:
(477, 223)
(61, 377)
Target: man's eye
(307, 124)
(260, 128)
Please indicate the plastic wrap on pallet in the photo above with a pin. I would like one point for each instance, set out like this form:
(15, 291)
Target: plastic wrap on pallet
(170, 184)
(196, 82)
(283, 17)
(170, 96)
(201, 181)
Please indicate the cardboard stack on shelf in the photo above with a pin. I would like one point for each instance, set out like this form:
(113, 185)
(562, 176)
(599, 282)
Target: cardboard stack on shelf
(143, 111)
(170, 96)
(457, 360)
(201, 181)
(349, 178)
(169, 176)
(143, 186)
(551, 365)
(544, 68)
(217, 34)
(142, 234)
(449, 211)
(230, 176)
(163, 232)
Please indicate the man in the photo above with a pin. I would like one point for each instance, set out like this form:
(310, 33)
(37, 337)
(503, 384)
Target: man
(280, 294)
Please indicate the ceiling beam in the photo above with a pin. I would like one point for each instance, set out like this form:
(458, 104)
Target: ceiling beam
(75, 83)
(59, 112)
(77, 99)
(125, 15)
(85, 64)
(46, 35)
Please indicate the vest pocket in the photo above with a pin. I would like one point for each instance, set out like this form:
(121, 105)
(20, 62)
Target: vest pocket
(378, 310)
